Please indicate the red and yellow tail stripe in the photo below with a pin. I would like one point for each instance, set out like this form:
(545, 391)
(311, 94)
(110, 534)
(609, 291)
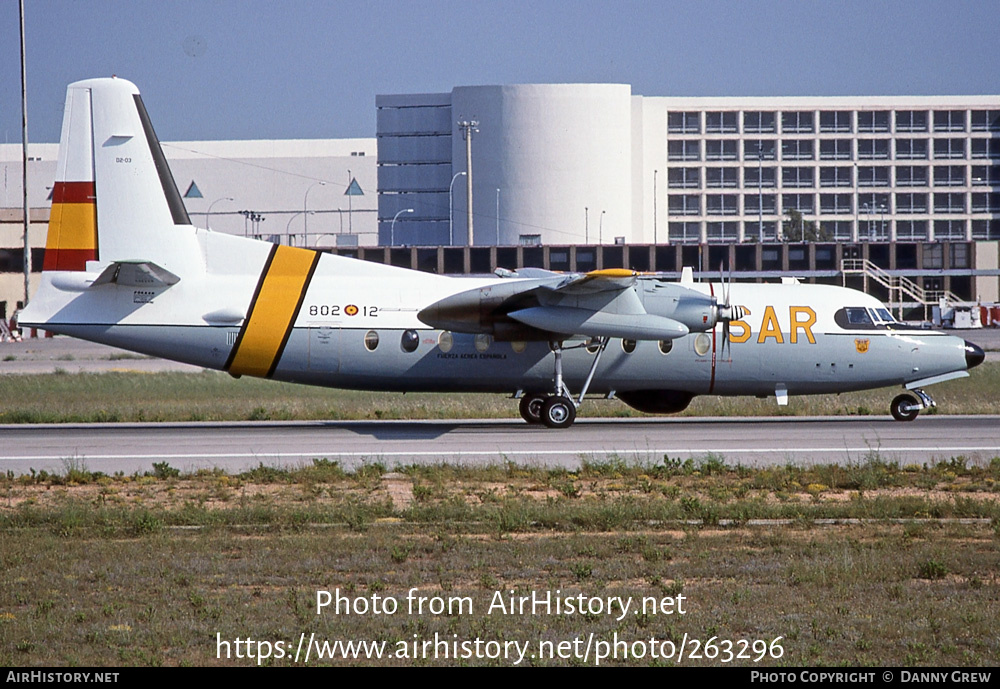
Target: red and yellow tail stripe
(72, 237)
(273, 310)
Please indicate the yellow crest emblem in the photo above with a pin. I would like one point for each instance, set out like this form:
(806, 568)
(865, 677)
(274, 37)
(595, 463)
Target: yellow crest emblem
(861, 345)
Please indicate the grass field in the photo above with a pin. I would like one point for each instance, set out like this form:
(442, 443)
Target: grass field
(212, 396)
(864, 565)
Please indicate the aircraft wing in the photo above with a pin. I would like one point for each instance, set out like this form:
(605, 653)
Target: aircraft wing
(603, 303)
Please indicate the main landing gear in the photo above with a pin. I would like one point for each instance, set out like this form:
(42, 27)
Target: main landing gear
(906, 407)
(558, 410)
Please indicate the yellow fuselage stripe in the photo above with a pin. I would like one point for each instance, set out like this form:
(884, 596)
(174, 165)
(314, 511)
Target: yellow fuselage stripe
(268, 325)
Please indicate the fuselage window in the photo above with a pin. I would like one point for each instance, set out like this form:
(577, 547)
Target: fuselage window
(409, 341)
(666, 346)
(518, 346)
(483, 342)
(446, 341)
(371, 340)
(628, 346)
(593, 346)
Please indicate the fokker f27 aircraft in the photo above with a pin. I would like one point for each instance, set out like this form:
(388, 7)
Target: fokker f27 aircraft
(125, 267)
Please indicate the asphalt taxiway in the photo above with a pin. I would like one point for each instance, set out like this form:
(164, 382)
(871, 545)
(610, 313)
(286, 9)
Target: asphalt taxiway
(128, 448)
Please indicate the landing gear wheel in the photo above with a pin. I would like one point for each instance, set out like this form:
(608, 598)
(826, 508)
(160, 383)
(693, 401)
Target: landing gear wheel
(905, 408)
(531, 407)
(558, 412)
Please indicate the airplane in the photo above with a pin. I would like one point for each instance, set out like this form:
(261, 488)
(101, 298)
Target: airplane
(124, 266)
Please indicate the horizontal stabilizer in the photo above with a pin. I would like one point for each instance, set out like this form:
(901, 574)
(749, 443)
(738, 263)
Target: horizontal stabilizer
(136, 274)
(572, 321)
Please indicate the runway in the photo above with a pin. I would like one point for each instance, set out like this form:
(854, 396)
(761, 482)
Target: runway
(128, 448)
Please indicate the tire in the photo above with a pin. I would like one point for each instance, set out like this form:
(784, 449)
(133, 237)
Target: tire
(531, 407)
(558, 412)
(902, 414)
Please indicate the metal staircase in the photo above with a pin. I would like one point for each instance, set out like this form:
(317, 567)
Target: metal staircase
(896, 284)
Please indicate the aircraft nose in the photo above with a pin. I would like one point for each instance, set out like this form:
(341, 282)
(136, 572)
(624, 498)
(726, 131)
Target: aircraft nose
(974, 355)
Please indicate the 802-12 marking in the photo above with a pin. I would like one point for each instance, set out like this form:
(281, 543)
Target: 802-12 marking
(336, 310)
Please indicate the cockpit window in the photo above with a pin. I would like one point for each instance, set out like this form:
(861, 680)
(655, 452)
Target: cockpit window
(858, 316)
(855, 318)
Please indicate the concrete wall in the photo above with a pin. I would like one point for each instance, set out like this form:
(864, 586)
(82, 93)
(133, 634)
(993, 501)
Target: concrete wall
(553, 150)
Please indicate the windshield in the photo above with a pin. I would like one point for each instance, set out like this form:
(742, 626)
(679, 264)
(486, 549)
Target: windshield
(858, 316)
(884, 315)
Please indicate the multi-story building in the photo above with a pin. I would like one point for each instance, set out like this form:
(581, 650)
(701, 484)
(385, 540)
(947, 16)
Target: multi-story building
(843, 169)
(591, 163)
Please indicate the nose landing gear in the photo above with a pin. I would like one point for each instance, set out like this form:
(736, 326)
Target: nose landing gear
(907, 407)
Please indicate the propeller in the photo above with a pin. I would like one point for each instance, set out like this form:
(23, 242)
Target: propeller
(727, 312)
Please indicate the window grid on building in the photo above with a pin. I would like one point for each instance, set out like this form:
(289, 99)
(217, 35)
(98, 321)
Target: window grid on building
(835, 149)
(873, 192)
(684, 178)
(759, 177)
(797, 122)
(835, 121)
(986, 120)
(873, 121)
(911, 176)
(842, 176)
(684, 122)
(726, 122)
(911, 203)
(722, 177)
(722, 149)
(911, 121)
(758, 123)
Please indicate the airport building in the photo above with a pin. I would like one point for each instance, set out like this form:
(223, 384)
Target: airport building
(592, 164)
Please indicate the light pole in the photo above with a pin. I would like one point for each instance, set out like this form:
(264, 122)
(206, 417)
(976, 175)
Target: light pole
(451, 209)
(26, 263)
(288, 236)
(760, 191)
(305, 209)
(654, 205)
(350, 203)
(600, 229)
(253, 218)
(392, 227)
(498, 217)
(856, 232)
(468, 127)
(586, 225)
(209, 211)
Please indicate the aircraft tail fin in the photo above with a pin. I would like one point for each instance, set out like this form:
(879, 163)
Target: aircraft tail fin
(114, 197)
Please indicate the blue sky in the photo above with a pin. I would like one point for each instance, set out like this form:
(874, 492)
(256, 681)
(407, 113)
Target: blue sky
(295, 69)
